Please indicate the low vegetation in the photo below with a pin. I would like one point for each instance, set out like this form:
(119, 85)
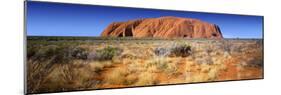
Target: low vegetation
(107, 53)
(64, 64)
(56, 54)
(182, 50)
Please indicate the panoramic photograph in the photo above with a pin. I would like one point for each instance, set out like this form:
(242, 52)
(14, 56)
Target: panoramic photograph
(72, 47)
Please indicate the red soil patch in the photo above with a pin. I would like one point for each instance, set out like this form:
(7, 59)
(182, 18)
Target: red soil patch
(177, 77)
(234, 72)
(103, 74)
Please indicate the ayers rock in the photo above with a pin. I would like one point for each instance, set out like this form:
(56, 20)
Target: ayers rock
(163, 27)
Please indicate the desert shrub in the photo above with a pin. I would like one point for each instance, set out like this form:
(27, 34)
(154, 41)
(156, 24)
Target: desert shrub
(227, 46)
(106, 53)
(161, 51)
(182, 50)
(57, 54)
(31, 50)
(79, 53)
(162, 65)
(71, 52)
(60, 54)
(255, 62)
(172, 69)
(51, 52)
(209, 49)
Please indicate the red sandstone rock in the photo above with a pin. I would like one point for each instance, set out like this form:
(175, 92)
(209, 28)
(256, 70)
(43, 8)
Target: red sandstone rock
(163, 27)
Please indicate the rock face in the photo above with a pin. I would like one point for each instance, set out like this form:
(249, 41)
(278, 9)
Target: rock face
(163, 27)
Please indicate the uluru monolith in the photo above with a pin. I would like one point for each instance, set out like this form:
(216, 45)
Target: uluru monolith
(163, 27)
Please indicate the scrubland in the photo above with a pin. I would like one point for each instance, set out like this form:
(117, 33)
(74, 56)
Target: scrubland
(64, 64)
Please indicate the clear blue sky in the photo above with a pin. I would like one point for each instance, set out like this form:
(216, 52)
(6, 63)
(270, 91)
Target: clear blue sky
(56, 19)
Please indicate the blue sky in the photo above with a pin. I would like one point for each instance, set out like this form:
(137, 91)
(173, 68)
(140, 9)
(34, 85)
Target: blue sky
(57, 19)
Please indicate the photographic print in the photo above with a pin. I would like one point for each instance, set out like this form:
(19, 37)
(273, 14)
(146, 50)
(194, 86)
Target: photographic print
(74, 47)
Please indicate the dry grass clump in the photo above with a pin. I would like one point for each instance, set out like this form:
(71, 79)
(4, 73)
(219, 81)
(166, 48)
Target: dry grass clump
(69, 77)
(117, 76)
(99, 66)
(171, 69)
(203, 72)
(137, 53)
(160, 64)
(121, 76)
(136, 66)
(131, 79)
(60, 77)
(213, 72)
(146, 78)
(36, 73)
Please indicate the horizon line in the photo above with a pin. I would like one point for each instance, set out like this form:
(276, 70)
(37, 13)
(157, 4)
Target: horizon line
(129, 37)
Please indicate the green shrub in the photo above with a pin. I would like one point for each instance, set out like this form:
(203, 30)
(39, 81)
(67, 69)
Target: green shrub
(79, 53)
(31, 51)
(181, 50)
(57, 54)
(107, 53)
